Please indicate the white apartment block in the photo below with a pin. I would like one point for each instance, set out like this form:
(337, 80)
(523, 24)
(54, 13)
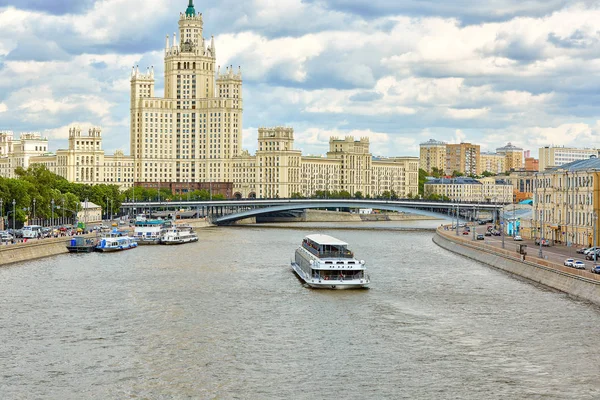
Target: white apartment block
(551, 156)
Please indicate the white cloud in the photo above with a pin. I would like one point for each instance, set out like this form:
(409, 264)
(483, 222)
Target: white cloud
(467, 113)
(3, 107)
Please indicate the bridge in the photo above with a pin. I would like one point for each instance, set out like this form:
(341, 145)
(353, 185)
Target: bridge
(227, 212)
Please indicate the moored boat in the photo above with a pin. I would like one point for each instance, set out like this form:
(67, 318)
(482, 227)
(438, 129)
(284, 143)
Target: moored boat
(179, 235)
(325, 262)
(81, 244)
(116, 242)
(149, 231)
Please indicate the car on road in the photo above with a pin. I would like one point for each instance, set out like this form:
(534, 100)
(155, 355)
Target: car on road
(488, 233)
(5, 236)
(590, 249)
(569, 262)
(578, 264)
(496, 233)
(545, 242)
(596, 269)
(590, 255)
(518, 238)
(480, 236)
(466, 232)
(582, 250)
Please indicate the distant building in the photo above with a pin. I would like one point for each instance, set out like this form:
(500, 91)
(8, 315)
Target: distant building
(89, 212)
(492, 162)
(513, 156)
(463, 157)
(566, 204)
(18, 152)
(471, 190)
(432, 154)
(532, 164)
(550, 156)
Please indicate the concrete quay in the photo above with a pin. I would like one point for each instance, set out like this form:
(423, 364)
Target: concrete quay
(40, 248)
(548, 271)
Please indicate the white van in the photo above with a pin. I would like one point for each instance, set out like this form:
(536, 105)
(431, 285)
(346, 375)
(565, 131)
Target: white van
(32, 231)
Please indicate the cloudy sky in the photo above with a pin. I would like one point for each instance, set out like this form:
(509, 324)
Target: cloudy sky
(397, 71)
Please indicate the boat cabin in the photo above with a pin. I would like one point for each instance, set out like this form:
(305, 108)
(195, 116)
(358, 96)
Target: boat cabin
(325, 246)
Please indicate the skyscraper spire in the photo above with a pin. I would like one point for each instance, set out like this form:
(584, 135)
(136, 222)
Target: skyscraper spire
(191, 11)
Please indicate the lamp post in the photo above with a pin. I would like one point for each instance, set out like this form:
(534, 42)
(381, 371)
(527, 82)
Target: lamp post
(34, 209)
(502, 225)
(2, 212)
(63, 209)
(595, 217)
(457, 216)
(52, 219)
(107, 207)
(14, 212)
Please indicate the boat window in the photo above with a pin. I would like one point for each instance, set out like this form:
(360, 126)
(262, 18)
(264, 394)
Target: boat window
(350, 262)
(339, 262)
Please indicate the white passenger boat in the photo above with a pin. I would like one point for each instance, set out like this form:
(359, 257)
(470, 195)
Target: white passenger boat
(150, 231)
(325, 262)
(116, 241)
(179, 235)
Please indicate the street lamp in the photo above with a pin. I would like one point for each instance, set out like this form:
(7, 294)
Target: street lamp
(2, 213)
(34, 210)
(14, 213)
(52, 220)
(595, 217)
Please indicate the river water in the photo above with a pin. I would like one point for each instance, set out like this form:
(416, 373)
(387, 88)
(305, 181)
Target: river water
(226, 318)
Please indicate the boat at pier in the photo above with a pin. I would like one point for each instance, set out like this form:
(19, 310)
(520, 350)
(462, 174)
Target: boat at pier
(150, 231)
(325, 262)
(179, 235)
(81, 244)
(116, 241)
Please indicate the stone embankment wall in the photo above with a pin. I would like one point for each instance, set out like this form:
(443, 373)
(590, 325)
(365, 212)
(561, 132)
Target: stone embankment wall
(336, 216)
(581, 284)
(34, 248)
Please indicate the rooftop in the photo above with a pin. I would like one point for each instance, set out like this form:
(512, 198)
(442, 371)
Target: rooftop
(326, 239)
(579, 165)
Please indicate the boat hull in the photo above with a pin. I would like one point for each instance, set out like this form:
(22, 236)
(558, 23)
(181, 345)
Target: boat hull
(142, 242)
(81, 249)
(329, 284)
(182, 241)
(115, 249)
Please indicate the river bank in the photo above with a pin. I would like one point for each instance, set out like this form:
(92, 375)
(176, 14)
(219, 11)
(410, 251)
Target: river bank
(42, 248)
(577, 283)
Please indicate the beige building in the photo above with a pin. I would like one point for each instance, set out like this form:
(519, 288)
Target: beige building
(551, 156)
(89, 212)
(463, 157)
(567, 201)
(492, 162)
(18, 153)
(193, 134)
(432, 154)
(467, 189)
(513, 156)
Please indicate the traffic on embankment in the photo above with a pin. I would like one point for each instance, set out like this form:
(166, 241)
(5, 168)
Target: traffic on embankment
(522, 258)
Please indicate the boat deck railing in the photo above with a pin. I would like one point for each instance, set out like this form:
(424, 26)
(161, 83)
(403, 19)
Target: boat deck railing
(330, 254)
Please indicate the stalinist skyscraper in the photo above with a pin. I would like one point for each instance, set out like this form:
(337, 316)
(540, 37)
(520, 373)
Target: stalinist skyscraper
(193, 132)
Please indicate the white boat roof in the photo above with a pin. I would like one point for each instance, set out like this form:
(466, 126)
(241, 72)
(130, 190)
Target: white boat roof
(326, 239)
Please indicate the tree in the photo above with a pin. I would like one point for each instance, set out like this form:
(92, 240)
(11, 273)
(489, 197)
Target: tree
(436, 172)
(422, 180)
(456, 174)
(485, 174)
(358, 195)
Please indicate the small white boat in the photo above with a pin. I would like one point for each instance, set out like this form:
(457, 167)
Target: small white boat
(116, 242)
(150, 231)
(179, 235)
(325, 262)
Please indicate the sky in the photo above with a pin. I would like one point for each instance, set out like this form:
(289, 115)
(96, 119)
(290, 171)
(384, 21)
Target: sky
(397, 71)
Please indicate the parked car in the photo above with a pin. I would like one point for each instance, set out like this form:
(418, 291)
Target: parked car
(5, 236)
(496, 233)
(590, 255)
(545, 242)
(589, 249)
(465, 232)
(488, 233)
(569, 262)
(518, 238)
(578, 264)
(596, 269)
(480, 236)
(581, 250)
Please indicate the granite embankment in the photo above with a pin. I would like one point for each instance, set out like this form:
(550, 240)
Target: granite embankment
(40, 248)
(581, 284)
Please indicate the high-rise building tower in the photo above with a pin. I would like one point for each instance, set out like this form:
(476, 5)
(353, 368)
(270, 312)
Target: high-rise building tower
(192, 133)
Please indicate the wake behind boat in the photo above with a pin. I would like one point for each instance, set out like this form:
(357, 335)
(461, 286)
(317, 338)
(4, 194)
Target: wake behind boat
(325, 262)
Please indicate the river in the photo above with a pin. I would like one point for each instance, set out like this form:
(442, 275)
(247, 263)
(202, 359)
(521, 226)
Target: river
(226, 318)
